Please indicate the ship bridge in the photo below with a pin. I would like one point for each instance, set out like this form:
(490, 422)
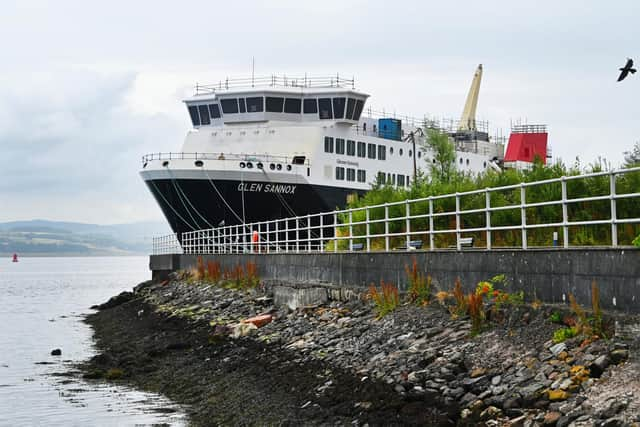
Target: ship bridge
(276, 98)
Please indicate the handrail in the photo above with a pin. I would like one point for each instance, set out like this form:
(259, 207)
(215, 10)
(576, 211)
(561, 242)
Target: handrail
(324, 231)
(277, 81)
(218, 156)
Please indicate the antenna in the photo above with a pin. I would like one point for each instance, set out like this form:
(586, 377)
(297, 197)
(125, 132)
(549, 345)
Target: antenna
(253, 70)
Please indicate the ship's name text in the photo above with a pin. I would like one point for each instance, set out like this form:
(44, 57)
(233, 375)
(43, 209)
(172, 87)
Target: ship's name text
(267, 188)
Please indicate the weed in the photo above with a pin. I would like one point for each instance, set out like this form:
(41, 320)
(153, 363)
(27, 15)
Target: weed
(200, 269)
(213, 271)
(597, 312)
(555, 317)
(475, 302)
(636, 241)
(251, 278)
(386, 300)
(564, 334)
(419, 285)
(581, 321)
(442, 296)
(460, 309)
(237, 276)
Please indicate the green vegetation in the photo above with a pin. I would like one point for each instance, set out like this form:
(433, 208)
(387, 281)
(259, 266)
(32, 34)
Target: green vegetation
(555, 317)
(445, 180)
(636, 241)
(564, 334)
(419, 285)
(386, 299)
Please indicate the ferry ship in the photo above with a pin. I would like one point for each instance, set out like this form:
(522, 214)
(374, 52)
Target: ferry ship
(277, 147)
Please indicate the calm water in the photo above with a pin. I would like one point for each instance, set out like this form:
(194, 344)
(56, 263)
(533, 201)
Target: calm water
(42, 302)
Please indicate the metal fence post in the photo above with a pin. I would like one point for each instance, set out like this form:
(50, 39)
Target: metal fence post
(366, 211)
(277, 237)
(308, 232)
(386, 227)
(350, 230)
(565, 213)
(335, 232)
(407, 211)
(614, 212)
(523, 215)
(487, 214)
(297, 234)
(321, 233)
(458, 244)
(432, 241)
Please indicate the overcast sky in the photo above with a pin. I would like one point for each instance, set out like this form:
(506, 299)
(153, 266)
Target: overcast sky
(88, 87)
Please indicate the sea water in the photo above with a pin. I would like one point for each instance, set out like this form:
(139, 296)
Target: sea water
(42, 304)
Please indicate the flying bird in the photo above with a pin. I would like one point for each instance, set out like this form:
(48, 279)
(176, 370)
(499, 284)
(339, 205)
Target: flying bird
(628, 68)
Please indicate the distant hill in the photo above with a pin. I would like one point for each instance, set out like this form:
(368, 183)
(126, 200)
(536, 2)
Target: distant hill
(42, 237)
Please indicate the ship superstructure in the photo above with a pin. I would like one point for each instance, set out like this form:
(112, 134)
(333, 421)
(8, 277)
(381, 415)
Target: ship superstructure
(265, 148)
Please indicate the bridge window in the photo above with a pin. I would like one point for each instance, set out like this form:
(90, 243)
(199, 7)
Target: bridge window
(328, 144)
(382, 152)
(324, 104)
(350, 105)
(229, 106)
(204, 114)
(243, 107)
(340, 173)
(358, 109)
(311, 106)
(362, 175)
(351, 148)
(214, 110)
(292, 105)
(274, 105)
(193, 112)
(351, 174)
(371, 151)
(339, 146)
(338, 107)
(362, 149)
(254, 104)
(400, 180)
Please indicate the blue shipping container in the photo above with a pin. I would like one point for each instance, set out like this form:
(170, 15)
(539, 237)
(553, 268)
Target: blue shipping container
(390, 129)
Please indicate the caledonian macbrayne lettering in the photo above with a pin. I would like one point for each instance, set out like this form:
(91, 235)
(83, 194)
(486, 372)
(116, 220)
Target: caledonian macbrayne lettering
(267, 188)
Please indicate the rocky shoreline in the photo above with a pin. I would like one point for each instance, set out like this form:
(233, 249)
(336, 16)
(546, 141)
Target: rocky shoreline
(338, 364)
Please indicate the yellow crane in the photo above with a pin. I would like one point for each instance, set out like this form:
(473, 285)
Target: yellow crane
(468, 119)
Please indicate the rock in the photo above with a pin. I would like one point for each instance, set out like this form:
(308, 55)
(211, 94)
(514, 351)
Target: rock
(551, 418)
(56, 352)
(563, 421)
(518, 421)
(496, 380)
(399, 388)
(490, 413)
(619, 355)
(556, 395)
(613, 408)
(478, 372)
(531, 392)
(613, 422)
(259, 321)
(558, 348)
(120, 299)
(599, 365)
(243, 330)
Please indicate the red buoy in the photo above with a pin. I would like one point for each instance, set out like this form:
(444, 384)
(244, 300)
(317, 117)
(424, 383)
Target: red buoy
(15, 258)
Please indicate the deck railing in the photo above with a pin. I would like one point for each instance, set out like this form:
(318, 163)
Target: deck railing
(438, 222)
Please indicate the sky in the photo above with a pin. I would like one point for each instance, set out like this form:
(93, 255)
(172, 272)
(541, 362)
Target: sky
(88, 87)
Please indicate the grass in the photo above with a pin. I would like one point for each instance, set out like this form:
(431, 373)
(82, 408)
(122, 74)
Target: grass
(386, 299)
(419, 285)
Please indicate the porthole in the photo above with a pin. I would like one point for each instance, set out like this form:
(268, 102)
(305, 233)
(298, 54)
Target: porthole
(272, 166)
(467, 162)
(198, 163)
(401, 151)
(484, 165)
(242, 165)
(410, 153)
(434, 160)
(419, 154)
(249, 165)
(288, 167)
(260, 165)
(279, 166)
(460, 160)
(390, 150)
(165, 163)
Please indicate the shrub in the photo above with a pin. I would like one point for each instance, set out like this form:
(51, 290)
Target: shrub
(564, 334)
(419, 285)
(386, 300)
(636, 241)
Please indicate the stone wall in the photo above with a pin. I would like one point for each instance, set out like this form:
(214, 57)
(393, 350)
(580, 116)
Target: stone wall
(549, 275)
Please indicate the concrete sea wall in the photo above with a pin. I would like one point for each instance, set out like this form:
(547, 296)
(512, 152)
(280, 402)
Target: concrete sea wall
(548, 275)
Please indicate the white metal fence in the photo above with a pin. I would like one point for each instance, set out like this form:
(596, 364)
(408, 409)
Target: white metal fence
(436, 222)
